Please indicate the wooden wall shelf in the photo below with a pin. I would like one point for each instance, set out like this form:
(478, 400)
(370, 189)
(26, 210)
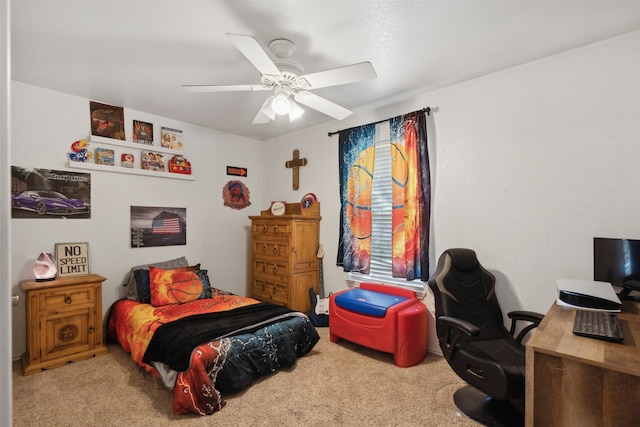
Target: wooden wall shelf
(124, 146)
(131, 171)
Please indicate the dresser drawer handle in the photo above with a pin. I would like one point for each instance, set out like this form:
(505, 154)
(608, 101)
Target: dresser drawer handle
(275, 229)
(275, 269)
(91, 329)
(264, 249)
(264, 268)
(264, 229)
(67, 299)
(275, 250)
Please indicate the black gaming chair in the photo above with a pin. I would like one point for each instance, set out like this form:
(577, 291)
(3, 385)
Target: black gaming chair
(475, 342)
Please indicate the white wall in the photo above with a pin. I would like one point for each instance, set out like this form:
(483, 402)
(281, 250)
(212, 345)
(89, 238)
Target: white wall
(529, 165)
(45, 123)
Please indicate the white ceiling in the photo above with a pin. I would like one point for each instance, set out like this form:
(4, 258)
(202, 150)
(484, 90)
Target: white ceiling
(136, 54)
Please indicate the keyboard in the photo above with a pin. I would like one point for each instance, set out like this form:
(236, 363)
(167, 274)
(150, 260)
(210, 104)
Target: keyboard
(601, 325)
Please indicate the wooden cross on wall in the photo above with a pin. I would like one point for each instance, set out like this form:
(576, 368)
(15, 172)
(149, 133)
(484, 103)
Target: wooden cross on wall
(295, 164)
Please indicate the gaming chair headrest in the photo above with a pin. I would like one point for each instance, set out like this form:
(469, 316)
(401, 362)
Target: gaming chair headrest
(463, 259)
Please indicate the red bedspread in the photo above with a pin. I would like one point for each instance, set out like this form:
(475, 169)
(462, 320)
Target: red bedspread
(135, 323)
(132, 324)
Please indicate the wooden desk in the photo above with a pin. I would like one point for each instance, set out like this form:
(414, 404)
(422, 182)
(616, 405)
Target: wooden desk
(578, 381)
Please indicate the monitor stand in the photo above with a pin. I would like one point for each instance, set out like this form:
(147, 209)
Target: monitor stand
(626, 290)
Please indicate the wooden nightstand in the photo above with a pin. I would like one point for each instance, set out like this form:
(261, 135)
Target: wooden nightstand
(64, 321)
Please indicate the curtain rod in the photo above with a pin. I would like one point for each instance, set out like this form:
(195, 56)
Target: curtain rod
(424, 110)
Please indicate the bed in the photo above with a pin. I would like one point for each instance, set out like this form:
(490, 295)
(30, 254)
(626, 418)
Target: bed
(201, 341)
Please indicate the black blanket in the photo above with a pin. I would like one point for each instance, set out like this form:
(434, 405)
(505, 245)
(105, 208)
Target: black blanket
(173, 343)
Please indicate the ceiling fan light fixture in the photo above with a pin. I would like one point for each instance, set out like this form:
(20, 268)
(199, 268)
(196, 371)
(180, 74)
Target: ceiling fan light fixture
(281, 104)
(267, 110)
(296, 111)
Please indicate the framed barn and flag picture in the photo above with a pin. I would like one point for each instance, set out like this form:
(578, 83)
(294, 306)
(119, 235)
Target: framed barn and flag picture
(158, 226)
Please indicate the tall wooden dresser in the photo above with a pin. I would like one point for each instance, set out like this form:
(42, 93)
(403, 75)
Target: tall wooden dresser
(284, 262)
(64, 321)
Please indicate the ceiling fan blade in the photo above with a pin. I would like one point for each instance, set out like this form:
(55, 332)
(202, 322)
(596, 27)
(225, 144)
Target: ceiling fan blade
(323, 105)
(339, 76)
(265, 114)
(222, 88)
(252, 50)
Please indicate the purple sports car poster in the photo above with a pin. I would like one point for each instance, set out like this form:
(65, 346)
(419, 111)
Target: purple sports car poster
(48, 193)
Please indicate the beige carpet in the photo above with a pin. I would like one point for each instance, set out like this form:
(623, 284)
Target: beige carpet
(335, 384)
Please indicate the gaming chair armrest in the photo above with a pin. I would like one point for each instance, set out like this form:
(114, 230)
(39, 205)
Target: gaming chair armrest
(455, 325)
(526, 316)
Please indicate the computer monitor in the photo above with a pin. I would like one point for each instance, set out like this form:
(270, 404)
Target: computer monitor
(617, 261)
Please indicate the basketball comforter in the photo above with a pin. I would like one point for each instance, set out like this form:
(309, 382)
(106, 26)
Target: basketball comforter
(205, 347)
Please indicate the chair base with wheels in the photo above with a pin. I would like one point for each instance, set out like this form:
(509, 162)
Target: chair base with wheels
(488, 411)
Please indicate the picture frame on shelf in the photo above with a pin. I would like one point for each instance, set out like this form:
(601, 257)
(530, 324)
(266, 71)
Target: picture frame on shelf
(151, 161)
(72, 259)
(107, 120)
(105, 156)
(171, 138)
(142, 132)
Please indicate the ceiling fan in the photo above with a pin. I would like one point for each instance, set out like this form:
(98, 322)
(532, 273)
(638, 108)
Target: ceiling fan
(283, 76)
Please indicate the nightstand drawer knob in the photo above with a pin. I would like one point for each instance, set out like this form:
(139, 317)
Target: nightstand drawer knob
(67, 299)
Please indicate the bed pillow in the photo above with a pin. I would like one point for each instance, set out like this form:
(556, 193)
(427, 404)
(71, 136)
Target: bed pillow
(174, 286)
(129, 281)
(209, 291)
(143, 284)
(206, 283)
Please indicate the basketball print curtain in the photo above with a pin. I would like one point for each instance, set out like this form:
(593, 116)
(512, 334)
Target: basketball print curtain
(357, 153)
(411, 192)
(411, 196)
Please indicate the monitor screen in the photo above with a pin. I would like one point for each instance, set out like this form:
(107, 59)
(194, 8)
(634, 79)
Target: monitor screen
(617, 261)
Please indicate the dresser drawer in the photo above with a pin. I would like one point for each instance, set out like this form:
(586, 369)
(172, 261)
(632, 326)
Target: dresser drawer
(277, 293)
(271, 228)
(271, 268)
(66, 298)
(270, 248)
